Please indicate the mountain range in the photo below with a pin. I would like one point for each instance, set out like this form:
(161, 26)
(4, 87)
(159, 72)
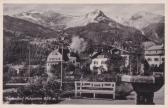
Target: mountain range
(94, 26)
(56, 20)
(142, 19)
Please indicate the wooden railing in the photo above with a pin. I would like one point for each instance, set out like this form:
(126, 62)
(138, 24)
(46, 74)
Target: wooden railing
(95, 88)
(16, 84)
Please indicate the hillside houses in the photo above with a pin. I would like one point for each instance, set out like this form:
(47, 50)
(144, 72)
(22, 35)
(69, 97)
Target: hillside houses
(155, 55)
(56, 57)
(100, 59)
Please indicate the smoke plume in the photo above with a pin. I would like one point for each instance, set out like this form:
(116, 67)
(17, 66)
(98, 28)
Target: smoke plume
(78, 44)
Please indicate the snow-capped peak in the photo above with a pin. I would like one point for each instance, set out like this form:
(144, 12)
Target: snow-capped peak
(94, 14)
(91, 17)
(142, 19)
(53, 19)
(30, 15)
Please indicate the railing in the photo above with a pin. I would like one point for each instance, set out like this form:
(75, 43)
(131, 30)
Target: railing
(16, 84)
(95, 88)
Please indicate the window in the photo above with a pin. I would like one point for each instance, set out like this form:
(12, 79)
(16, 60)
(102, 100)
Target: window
(149, 59)
(162, 59)
(152, 65)
(54, 53)
(156, 59)
(103, 62)
(95, 62)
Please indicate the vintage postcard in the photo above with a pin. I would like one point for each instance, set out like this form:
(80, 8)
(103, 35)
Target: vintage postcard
(83, 53)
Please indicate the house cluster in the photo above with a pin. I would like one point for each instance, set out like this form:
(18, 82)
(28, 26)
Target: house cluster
(98, 58)
(155, 55)
(20, 68)
(61, 55)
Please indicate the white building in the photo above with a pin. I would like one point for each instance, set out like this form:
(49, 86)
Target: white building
(56, 57)
(17, 68)
(126, 59)
(53, 58)
(99, 61)
(155, 55)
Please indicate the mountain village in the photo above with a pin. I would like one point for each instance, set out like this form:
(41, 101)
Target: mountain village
(89, 56)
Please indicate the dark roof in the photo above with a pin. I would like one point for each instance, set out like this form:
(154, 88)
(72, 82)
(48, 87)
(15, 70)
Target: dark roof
(106, 54)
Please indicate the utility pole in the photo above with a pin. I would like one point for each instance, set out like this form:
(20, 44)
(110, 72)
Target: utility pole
(29, 62)
(61, 69)
(130, 71)
(62, 65)
(137, 64)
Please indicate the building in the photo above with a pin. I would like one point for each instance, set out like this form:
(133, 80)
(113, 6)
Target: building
(126, 59)
(56, 57)
(155, 55)
(99, 62)
(99, 59)
(74, 58)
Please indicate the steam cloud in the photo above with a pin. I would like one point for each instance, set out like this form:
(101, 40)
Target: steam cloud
(78, 44)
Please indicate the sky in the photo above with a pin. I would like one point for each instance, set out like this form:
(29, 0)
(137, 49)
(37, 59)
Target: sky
(111, 10)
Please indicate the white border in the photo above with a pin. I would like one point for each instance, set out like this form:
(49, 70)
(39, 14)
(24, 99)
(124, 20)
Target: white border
(81, 2)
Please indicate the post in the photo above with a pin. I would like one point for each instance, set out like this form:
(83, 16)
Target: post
(114, 87)
(80, 87)
(137, 64)
(29, 62)
(61, 70)
(94, 95)
(130, 67)
(75, 89)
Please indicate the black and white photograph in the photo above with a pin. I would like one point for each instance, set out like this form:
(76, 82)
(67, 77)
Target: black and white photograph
(84, 54)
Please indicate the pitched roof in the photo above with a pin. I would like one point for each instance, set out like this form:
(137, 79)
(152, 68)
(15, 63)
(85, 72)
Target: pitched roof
(65, 53)
(156, 47)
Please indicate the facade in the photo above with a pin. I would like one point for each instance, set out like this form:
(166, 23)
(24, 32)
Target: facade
(18, 68)
(56, 57)
(125, 54)
(155, 55)
(100, 62)
(53, 58)
(74, 59)
(126, 57)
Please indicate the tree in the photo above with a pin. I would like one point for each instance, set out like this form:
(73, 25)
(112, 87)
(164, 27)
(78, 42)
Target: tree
(114, 63)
